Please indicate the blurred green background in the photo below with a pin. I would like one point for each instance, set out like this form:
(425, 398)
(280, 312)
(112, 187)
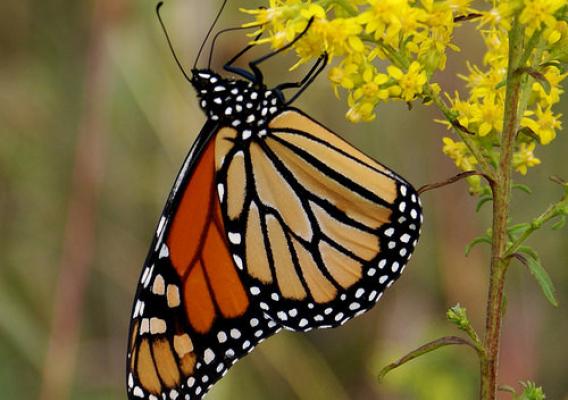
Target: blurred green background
(95, 121)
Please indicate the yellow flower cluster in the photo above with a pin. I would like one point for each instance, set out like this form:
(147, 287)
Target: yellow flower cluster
(387, 50)
(482, 112)
(412, 36)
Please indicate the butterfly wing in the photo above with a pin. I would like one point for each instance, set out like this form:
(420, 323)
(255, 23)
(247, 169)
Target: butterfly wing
(192, 317)
(318, 229)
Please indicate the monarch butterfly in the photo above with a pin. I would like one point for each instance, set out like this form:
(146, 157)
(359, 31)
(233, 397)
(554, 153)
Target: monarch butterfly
(273, 222)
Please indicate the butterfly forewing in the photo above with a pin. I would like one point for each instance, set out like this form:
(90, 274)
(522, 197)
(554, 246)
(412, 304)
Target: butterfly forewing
(319, 229)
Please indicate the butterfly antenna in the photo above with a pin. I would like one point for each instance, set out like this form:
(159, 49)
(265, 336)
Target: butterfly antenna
(209, 32)
(158, 7)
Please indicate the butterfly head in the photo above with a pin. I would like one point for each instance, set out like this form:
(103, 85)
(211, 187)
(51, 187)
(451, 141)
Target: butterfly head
(204, 81)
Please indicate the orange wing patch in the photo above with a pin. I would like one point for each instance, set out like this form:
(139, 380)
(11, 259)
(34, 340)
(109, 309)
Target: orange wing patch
(198, 251)
(191, 283)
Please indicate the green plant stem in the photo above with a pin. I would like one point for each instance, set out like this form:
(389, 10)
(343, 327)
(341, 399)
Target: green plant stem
(532, 52)
(552, 211)
(501, 205)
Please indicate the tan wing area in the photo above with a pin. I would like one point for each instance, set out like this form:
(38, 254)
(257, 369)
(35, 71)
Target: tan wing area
(292, 239)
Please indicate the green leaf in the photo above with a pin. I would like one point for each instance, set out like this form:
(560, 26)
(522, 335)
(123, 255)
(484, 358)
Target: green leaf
(515, 230)
(523, 188)
(531, 392)
(482, 200)
(541, 276)
(480, 239)
(501, 84)
(528, 132)
(507, 389)
(528, 251)
(560, 223)
(424, 349)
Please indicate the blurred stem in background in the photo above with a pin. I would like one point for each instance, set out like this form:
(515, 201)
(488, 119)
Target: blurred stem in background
(79, 235)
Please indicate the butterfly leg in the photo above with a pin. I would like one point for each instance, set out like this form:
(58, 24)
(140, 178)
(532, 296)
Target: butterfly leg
(312, 74)
(240, 71)
(254, 64)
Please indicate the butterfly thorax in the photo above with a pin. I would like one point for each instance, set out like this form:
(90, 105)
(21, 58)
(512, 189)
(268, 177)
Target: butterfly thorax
(236, 103)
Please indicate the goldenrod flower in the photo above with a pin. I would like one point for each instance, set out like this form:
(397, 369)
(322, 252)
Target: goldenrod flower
(459, 153)
(488, 115)
(545, 124)
(411, 83)
(524, 158)
(391, 49)
(539, 12)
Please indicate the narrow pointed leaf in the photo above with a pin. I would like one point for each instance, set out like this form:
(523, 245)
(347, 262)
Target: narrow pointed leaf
(541, 276)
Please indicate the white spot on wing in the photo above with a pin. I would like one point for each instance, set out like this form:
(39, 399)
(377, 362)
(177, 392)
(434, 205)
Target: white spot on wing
(173, 296)
(157, 326)
(161, 225)
(164, 251)
(221, 191)
(159, 286)
(146, 282)
(235, 237)
(208, 356)
(238, 261)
